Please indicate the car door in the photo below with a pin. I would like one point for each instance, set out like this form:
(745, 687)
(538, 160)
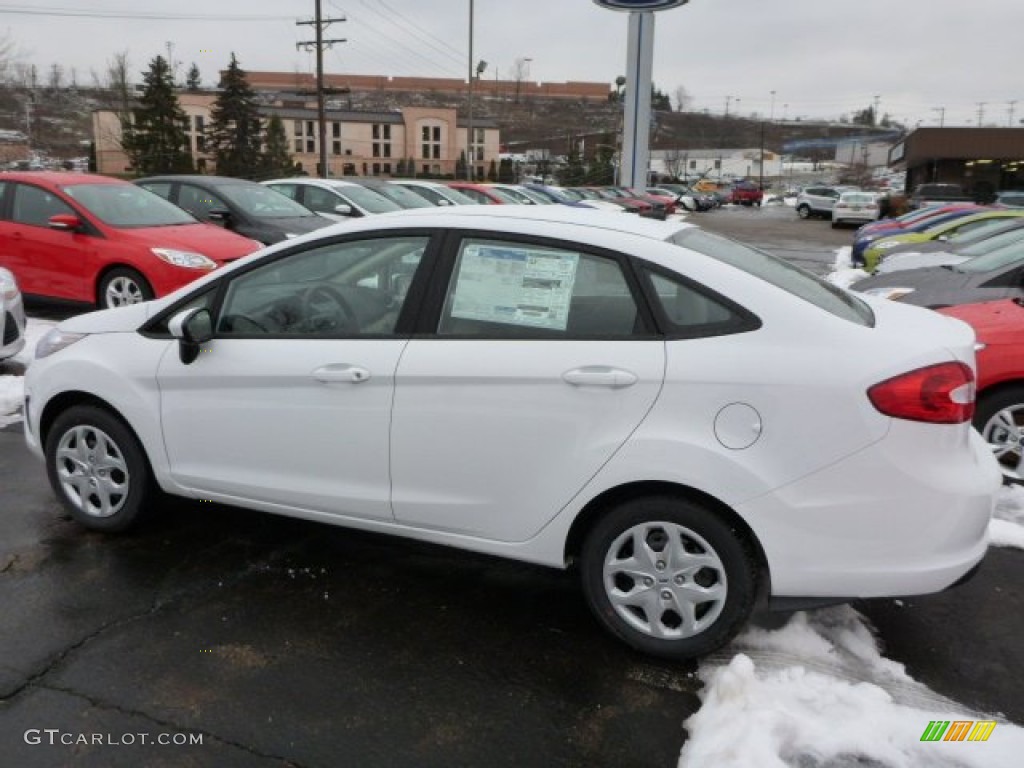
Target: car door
(46, 261)
(289, 404)
(540, 365)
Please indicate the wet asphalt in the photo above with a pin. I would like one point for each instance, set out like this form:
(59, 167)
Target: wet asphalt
(286, 643)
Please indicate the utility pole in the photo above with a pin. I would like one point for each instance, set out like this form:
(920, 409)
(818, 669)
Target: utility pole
(942, 115)
(318, 45)
(470, 160)
(981, 112)
(727, 100)
(1010, 110)
(878, 101)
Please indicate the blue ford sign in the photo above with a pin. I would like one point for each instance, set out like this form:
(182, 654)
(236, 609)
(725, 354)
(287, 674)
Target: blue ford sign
(640, 5)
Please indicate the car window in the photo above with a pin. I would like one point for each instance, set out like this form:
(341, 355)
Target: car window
(993, 260)
(261, 202)
(162, 188)
(291, 191)
(322, 200)
(694, 312)
(515, 290)
(476, 195)
(975, 227)
(345, 289)
(199, 202)
(778, 272)
(127, 206)
(33, 205)
(367, 199)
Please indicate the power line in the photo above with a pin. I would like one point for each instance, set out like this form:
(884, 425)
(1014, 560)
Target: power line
(24, 10)
(459, 57)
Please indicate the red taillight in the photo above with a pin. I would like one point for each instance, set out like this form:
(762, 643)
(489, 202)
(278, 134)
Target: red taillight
(939, 394)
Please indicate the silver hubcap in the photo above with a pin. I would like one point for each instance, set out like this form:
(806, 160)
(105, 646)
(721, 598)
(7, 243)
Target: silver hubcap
(1004, 433)
(664, 580)
(92, 471)
(122, 291)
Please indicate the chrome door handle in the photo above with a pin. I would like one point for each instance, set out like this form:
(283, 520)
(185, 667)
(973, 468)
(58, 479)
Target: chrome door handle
(600, 376)
(341, 372)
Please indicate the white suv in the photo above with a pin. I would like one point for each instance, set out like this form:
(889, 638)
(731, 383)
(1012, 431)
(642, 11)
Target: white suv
(817, 201)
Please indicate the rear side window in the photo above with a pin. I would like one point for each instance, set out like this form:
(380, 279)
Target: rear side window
(779, 273)
(691, 311)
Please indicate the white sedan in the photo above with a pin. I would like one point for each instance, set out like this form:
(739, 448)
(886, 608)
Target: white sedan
(660, 405)
(854, 205)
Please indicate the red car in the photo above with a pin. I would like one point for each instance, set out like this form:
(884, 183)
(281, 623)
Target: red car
(93, 239)
(999, 417)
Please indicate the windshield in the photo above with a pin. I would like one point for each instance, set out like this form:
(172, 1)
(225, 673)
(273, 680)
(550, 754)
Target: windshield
(367, 199)
(263, 202)
(779, 273)
(405, 198)
(127, 206)
(986, 243)
(993, 260)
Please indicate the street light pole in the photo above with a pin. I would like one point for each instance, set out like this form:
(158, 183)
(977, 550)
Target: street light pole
(469, 122)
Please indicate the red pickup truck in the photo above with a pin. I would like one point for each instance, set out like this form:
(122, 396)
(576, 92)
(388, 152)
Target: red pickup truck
(746, 193)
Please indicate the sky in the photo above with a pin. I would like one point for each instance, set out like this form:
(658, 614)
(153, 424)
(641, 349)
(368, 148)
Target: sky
(922, 60)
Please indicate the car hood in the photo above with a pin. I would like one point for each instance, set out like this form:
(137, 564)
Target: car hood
(904, 260)
(208, 239)
(116, 320)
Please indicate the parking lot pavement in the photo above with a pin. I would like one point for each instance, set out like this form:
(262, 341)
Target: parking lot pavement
(286, 642)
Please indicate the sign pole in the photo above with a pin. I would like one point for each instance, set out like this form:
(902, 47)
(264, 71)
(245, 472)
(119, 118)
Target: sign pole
(636, 110)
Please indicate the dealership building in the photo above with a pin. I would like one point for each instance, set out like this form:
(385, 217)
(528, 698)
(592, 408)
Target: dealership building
(982, 160)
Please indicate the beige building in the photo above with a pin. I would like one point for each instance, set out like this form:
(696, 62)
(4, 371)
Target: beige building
(409, 141)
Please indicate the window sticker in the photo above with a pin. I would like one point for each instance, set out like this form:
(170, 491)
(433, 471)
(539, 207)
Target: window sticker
(517, 286)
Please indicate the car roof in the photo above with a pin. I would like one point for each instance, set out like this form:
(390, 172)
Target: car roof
(59, 178)
(470, 215)
(198, 179)
(310, 182)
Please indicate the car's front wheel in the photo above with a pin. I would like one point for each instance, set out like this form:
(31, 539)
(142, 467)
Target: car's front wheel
(1000, 420)
(668, 576)
(123, 286)
(98, 469)
(803, 211)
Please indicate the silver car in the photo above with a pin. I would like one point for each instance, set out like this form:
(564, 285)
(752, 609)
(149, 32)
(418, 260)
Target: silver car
(996, 275)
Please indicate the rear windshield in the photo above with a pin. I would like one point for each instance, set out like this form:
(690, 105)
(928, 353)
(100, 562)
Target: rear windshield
(779, 273)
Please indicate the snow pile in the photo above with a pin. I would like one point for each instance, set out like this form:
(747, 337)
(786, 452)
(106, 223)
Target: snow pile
(12, 387)
(843, 272)
(818, 692)
(1007, 526)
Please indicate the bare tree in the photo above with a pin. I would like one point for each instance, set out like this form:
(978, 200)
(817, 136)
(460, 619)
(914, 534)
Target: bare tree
(519, 71)
(56, 79)
(675, 163)
(683, 98)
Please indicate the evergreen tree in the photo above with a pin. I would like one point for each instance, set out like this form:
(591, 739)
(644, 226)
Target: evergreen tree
(573, 173)
(155, 138)
(234, 133)
(193, 80)
(277, 160)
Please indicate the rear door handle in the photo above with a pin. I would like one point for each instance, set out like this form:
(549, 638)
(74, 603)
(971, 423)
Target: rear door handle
(600, 376)
(341, 372)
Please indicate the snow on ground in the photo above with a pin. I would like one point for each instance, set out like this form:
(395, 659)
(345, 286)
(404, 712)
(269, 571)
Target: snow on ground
(1007, 526)
(817, 693)
(11, 386)
(843, 272)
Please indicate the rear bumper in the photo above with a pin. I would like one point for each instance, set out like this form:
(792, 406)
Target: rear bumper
(906, 516)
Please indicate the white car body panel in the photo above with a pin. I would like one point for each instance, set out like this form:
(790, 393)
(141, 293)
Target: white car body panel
(485, 447)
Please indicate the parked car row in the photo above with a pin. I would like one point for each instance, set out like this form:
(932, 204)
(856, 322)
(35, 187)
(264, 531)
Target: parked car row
(106, 242)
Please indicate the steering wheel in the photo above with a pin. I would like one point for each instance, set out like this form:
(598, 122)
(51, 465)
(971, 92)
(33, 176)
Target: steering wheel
(324, 309)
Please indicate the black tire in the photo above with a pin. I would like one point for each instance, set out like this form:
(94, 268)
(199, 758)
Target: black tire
(835, 224)
(123, 282)
(91, 454)
(993, 418)
(699, 532)
(803, 211)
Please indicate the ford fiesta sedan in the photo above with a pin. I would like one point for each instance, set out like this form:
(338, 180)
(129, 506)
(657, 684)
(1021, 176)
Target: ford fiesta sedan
(661, 406)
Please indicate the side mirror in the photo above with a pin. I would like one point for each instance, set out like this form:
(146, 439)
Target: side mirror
(192, 328)
(344, 209)
(65, 222)
(221, 215)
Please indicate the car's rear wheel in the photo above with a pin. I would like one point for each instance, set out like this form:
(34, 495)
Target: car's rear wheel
(803, 211)
(668, 576)
(98, 469)
(123, 286)
(1000, 420)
